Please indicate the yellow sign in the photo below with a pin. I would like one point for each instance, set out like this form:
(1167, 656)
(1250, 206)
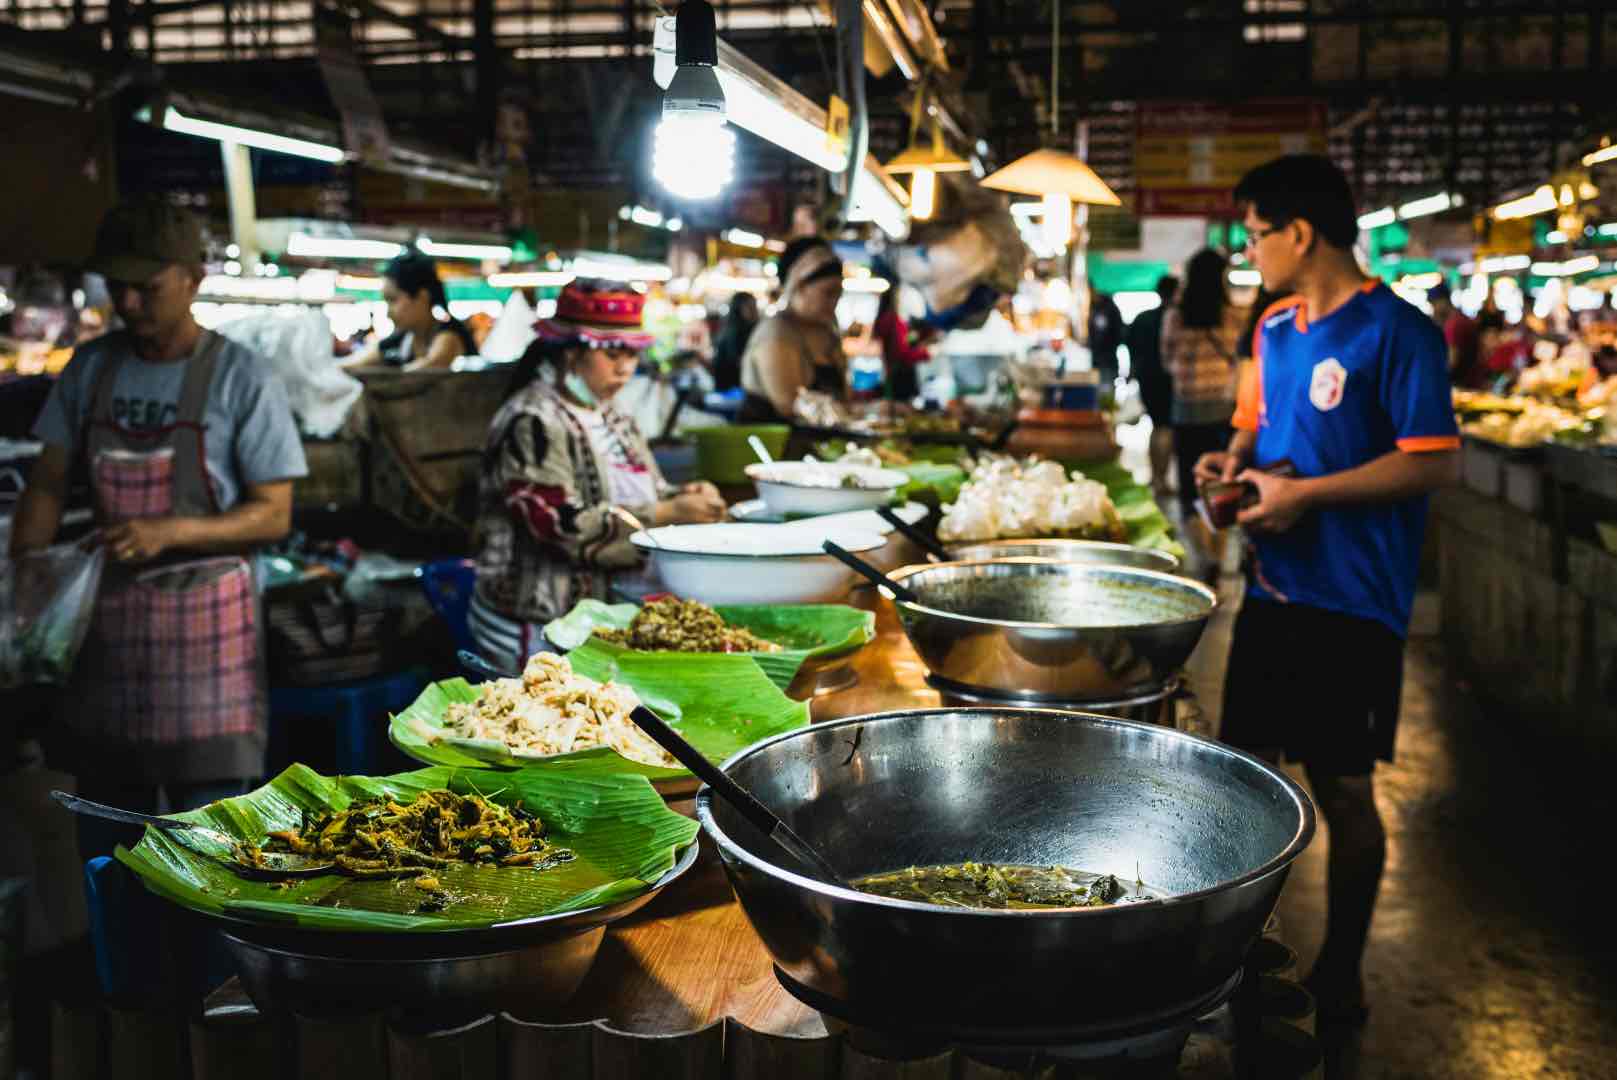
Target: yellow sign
(836, 126)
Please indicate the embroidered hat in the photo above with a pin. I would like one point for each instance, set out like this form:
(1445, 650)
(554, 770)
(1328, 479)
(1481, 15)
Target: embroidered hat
(599, 313)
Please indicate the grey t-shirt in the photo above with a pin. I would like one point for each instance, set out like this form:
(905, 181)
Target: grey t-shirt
(250, 433)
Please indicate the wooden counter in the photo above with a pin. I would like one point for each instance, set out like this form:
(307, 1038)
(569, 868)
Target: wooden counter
(690, 958)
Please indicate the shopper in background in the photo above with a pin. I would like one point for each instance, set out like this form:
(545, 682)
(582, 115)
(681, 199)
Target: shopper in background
(1199, 335)
(1105, 335)
(190, 449)
(901, 352)
(1461, 334)
(1144, 341)
(1350, 385)
(559, 463)
(731, 343)
(421, 337)
(799, 348)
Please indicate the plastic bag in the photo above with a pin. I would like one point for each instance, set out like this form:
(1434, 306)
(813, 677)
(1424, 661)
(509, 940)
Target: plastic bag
(47, 599)
(298, 349)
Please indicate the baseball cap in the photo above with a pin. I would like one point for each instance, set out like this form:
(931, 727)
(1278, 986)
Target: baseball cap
(138, 239)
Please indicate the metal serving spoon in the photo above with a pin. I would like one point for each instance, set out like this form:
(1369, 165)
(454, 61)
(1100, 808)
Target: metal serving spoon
(277, 865)
(737, 796)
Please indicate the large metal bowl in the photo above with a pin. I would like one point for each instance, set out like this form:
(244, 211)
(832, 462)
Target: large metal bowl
(1052, 632)
(1097, 552)
(1213, 828)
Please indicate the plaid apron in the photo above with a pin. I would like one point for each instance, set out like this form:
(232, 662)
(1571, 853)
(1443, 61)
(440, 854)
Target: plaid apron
(170, 685)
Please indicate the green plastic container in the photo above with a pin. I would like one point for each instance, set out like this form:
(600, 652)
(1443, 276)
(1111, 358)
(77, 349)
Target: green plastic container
(723, 454)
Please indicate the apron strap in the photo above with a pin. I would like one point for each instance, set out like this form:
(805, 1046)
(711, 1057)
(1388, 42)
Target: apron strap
(100, 406)
(193, 491)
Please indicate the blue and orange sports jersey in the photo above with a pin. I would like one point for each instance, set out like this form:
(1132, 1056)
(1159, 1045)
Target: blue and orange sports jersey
(1331, 395)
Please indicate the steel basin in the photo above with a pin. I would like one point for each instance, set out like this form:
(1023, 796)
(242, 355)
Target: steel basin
(1054, 632)
(1213, 828)
(1094, 552)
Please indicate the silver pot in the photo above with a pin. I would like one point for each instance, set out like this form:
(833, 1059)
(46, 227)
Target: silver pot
(1095, 552)
(523, 966)
(1151, 707)
(1208, 827)
(1053, 632)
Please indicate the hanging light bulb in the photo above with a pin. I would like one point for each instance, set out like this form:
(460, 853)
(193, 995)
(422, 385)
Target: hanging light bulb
(923, 194)
(1057, 221)
(694, 149)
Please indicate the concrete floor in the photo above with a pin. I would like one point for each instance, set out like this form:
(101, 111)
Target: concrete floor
(1493, 955)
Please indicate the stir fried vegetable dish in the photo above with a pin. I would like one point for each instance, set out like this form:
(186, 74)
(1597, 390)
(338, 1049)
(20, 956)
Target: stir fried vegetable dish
(381, 838)
(992, 885)
(673, 625)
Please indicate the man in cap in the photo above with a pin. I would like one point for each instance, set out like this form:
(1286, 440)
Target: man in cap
(189, 448)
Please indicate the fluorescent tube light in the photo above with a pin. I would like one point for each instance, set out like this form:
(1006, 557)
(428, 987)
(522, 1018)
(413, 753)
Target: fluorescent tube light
(174, 120)
(1245, 278)
(341, 247)
(481, 252)
(1377, 218)
(1541, 201)
(1431, 204)
(530, 279)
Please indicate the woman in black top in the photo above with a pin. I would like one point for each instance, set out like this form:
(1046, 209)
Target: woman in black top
(420, 338)
(731, 344)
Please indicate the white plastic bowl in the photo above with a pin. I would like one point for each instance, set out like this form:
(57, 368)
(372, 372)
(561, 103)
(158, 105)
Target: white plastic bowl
(730, 563)
(815, 487)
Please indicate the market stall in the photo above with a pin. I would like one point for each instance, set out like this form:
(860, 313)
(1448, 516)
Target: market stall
(683, 988)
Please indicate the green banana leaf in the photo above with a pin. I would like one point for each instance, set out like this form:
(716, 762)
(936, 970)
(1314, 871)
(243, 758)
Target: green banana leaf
(808, 631)
(622, 834)
(720, 703)
(1147, 526)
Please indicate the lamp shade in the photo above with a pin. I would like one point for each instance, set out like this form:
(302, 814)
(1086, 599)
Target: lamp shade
(1053, 172)
(937, 157)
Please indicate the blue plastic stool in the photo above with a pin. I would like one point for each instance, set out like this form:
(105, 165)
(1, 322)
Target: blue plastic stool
(122, 915)
(146, 948)
(448, 584)
(354, 708)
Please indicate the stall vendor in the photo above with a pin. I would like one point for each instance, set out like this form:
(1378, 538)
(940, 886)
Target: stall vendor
(559, 463)
(799, 348)
(190, 449)
(424, 334)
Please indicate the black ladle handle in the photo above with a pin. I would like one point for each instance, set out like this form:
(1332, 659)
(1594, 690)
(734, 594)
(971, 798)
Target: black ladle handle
(868, 572)
(733, 793)
(914, 535)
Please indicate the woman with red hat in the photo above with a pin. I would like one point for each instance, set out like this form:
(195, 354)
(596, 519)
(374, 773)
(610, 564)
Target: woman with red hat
(559, 464)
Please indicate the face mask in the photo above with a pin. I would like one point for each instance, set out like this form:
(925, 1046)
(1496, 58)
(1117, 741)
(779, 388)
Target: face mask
(576, 386)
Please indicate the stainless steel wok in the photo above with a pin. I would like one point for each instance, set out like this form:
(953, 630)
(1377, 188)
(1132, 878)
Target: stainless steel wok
(1096, 552)
(1053, 632)
(1214, 829)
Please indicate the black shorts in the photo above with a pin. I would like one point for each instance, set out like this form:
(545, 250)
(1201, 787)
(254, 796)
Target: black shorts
(1320, 686)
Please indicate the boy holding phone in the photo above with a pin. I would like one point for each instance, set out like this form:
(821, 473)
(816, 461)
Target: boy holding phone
(1349, 385)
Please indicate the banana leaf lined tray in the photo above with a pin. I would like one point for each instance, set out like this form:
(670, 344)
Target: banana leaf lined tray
(808, 632)
(622, 835)
(721, 703)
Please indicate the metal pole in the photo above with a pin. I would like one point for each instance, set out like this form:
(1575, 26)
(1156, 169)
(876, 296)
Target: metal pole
(243, 207)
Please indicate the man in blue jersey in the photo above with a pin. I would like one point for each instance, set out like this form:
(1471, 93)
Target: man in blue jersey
(1349, 384)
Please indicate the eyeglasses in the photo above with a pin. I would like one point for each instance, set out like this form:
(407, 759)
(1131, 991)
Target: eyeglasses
(1254, 237)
